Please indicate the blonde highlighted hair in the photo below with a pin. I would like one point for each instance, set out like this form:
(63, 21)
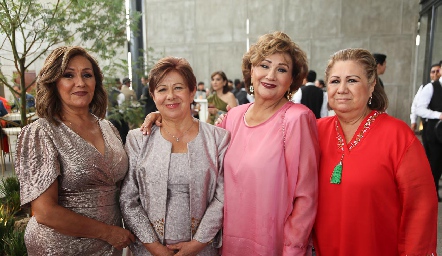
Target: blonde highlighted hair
(276, 42)
(379, 99)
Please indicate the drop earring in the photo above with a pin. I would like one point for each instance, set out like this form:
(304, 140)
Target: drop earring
(251, 89)
(369, 100)
(289, 95)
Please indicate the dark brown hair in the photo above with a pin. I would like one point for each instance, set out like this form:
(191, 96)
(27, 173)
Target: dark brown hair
(168, 64)
(47, 99)
(276, 42)
(379, 99)
(224, 77)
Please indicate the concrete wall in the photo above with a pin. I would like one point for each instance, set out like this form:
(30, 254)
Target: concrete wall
(211, 34)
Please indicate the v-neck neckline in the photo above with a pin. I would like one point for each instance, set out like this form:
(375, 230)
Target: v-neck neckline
(359, 135)
(87, 142)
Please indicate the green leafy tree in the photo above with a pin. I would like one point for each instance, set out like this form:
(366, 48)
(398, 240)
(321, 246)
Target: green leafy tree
(30, 29)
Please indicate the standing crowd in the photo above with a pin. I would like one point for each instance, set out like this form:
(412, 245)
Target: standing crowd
(275, 174)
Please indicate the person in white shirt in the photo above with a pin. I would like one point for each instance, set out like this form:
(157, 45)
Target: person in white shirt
(434, 75)
(312, 96)
(429, 106)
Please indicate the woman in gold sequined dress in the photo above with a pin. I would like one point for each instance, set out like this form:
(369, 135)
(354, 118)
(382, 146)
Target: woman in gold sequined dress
(70, 162)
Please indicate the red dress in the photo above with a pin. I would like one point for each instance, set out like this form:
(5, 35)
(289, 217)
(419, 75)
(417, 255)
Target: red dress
(386, 202)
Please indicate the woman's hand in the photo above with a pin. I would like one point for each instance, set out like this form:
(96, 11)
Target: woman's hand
(48, 212)
(158, 249)
(118, 237)
(187, 248)
(220, 119)
(151, 118)
(222, 116)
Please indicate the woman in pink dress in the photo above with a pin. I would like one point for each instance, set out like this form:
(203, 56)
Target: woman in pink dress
(270, 168)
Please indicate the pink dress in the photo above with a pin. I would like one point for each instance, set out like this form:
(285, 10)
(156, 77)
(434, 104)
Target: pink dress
(270, 182)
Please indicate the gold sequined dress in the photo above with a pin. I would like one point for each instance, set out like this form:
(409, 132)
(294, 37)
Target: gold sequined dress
(87, 183)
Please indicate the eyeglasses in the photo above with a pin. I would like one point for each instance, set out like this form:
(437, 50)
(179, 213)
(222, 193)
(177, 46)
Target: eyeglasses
(435, 71)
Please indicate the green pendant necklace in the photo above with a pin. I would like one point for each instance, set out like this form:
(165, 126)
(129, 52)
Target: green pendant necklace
(336, 176)
(337, 171)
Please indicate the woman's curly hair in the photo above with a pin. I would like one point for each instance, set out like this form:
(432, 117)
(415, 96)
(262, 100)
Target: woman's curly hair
(276, 42)
(47, 99)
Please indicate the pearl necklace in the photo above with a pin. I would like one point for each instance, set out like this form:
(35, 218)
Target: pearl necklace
(184, 133)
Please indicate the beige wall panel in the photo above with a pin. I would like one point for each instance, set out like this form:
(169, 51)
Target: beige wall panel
(170, 22)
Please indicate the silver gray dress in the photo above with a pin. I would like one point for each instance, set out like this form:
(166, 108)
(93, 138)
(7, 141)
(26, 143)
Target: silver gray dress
(159, 206)
(178, 220)
(87, 183)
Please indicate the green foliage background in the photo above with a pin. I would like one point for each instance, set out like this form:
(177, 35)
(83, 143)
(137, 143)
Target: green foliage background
(32, 28)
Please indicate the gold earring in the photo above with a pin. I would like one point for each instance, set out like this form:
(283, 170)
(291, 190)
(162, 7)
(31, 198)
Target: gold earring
(289, 95)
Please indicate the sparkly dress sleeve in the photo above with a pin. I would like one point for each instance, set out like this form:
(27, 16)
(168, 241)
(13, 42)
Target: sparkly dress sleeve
(114, 129)
(418, 223)
(134, 216)
(212, 220)
(302, 157)
(36, 164)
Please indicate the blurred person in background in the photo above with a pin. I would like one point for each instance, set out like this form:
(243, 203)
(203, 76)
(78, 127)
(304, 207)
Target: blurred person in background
(221, 96)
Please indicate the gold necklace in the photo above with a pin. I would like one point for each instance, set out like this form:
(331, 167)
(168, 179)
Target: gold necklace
(184, 133)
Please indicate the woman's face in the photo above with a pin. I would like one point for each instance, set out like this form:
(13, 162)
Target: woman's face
(272, 77)
(218, 82)
(77, 84)
(348, 87)
(173, 97)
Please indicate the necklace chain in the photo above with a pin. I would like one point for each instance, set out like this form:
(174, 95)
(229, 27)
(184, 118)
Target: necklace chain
(184, 133)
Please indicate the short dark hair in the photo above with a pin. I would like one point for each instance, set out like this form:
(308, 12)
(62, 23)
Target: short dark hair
(380, 58)
(311, 76)
(201, 83)
(126, 80)
(168, 64)
(48, 102)
(435, 65)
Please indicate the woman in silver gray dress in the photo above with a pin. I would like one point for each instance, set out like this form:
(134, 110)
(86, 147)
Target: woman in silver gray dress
(172, 197)
(70, 162)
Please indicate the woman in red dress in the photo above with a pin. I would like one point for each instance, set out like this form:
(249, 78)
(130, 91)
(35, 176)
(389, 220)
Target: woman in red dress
(376, 193)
